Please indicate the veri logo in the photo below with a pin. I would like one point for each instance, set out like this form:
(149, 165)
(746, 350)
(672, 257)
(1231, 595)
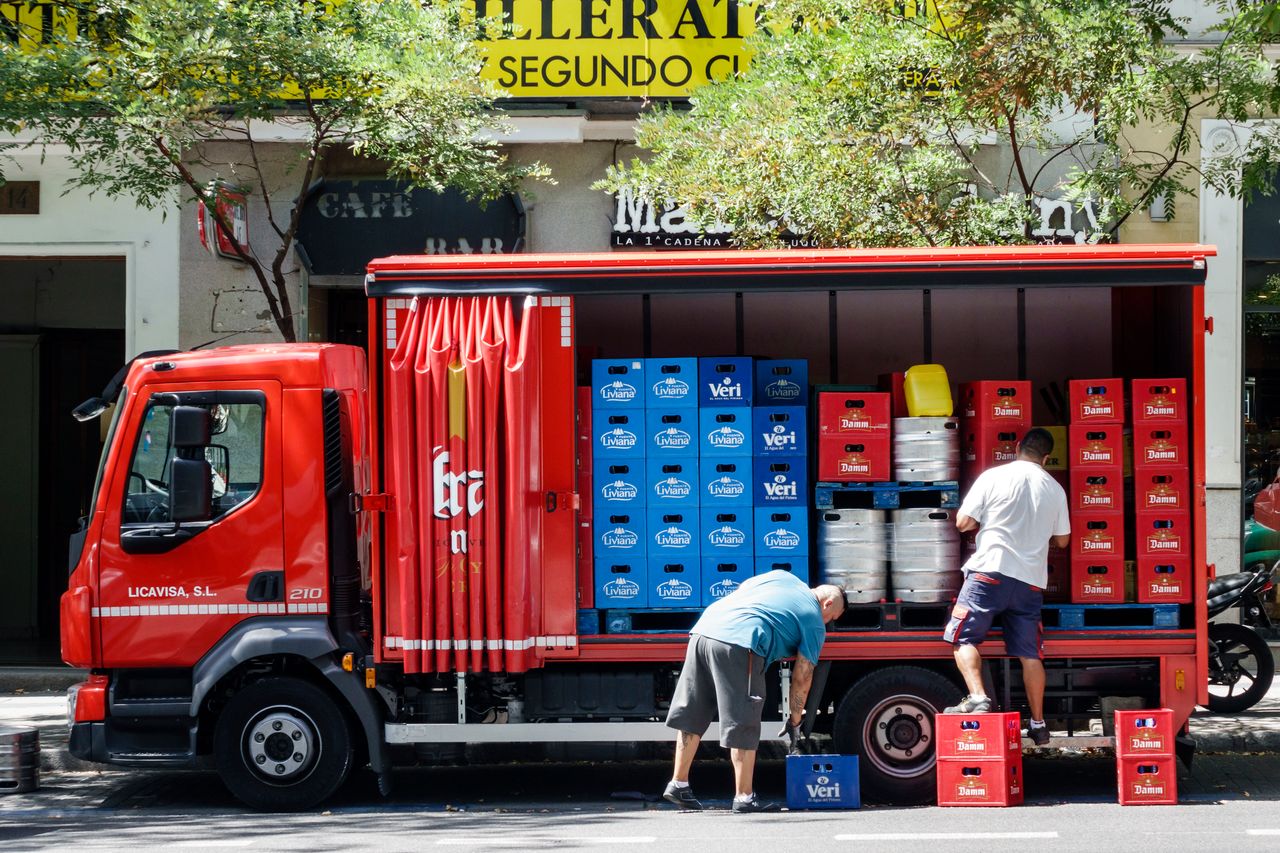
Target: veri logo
(781, 488)
(779, 437)
(725, 389)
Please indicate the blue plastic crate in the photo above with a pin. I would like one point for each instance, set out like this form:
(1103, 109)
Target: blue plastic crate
(728, 381)
(617, 383)
(779, 431)
(823, 782)
(724, 432)
(671, 432)
(671, 383)
(725, 481)
(671, 482)
(782, 382)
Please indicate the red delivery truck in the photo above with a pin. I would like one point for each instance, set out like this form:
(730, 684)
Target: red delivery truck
(297, 558)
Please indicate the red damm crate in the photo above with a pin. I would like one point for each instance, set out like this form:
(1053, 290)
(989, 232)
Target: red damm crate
(1096, 447)
(1097, 535)
(1164, 580)
(984, 446)
(1097, 581)
(1147, 781)
(1162, 490)
(1096, 491)
(853, 459)
(1057, 590)
(1160, 400)
(1162, 534)
(997, 402)
(859, 413)
(1144, 733)
(967, 782)
(1096, 401)
(1163, 444)
(970, 736)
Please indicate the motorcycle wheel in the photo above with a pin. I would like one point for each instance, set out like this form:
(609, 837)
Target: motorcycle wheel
(1240, 665)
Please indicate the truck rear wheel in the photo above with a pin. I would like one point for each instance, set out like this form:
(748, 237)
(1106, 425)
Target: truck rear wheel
(886, 719)
(282, 744)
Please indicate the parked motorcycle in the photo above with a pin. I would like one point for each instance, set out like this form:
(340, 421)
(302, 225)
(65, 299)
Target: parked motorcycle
(1240, 663)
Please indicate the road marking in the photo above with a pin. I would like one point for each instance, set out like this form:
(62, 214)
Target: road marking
(215, 842)
(491, 841)
(941, 836)
(1262, 832)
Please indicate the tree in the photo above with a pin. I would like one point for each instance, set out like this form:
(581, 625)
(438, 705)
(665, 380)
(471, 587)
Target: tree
(869, 122)
(138, 89)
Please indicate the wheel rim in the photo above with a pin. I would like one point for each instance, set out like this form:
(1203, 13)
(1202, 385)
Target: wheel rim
(898, 736)
(1235, 669)
(281, 745)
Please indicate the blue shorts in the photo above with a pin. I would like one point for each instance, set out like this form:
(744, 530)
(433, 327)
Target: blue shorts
(986, 596)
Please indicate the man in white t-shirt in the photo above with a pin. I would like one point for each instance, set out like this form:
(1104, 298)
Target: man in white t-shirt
(1017, 509)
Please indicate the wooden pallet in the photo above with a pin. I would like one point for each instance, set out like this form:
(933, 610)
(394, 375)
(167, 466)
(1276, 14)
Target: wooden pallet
(1110, 617)
(675, 621)
(893, 616)
(945, 495)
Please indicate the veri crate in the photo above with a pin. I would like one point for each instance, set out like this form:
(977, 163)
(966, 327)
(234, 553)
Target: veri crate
(617, 383)
(617, 484)
(928, 391)
(1097, 535)
(1147, 781)
(671, 432)
(725, 481)
(1096, 447)
(620, 533)
(674, 582)
(782, 382)
(725, 382)
(1162, 534)
(1164, 580)
(1144, 733)
(823, 782)
(671, 383)
(617, 435)
(1096, 491)
(724, 432)
(1163, 444)
(780, 481)
(781, 531)
(727, 531)
(964, 782)
(1097, 581)
(798, 566)
(1162, 490)
(671, 482)
(673, 531)
(779, 431)
(622, 582)
(970, 736)
(1160, 401)
(997, 402)
(856, 413)
(853, 459)
(1096, 401)
(722, 575)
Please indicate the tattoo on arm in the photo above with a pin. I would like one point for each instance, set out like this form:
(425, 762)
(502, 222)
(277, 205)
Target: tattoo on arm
(801, 680)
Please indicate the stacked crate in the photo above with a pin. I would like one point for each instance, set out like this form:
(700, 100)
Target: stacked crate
(618, 500)
(1162, 490)
(979, 759)
(725, 389)
(671, 482)
(994, 415)
(854, 436)
(1146, 772)
(1096, 439)
(780, 462)
(1058, 586)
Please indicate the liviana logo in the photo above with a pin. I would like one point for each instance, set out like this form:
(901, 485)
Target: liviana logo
(617, 391)
(783, 389)
(671, 438)
(621, 588)
(781, 540)
(726, 487)
(673, 537)
(727, 537)
(619, 490)
(672, 488)
(779, 437)
(671, 388)
(617, 439)
(619, 537)
(726, 436)
(674, 590)
(725, 389)
(720, 589)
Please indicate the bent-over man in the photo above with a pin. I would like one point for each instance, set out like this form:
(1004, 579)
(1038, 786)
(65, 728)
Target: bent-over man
(769, 617)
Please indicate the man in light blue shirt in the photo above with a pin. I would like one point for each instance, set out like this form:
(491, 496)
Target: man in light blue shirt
(768, 618)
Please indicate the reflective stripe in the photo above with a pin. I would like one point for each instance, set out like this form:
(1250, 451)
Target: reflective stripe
(250, 609)
(392, 642)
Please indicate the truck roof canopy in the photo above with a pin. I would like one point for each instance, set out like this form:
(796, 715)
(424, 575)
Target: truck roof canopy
(815, 269)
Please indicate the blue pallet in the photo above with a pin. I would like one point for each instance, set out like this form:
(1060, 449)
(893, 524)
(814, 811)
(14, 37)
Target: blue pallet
(1110, 617)
(892, 495)
(650, 621)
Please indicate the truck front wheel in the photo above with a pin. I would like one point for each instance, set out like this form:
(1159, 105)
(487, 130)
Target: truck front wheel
(886, 718)
(282, 744)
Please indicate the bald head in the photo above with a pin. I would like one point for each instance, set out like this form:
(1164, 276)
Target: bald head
(831, 597)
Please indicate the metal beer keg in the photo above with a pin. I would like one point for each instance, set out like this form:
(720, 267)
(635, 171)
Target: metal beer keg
(924, 555)
(926, 450)
(853, 552)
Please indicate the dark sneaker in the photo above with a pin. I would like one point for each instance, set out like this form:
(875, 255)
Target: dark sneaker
(682, 797)
(1039, 735)
(969, 705)
(752, 806)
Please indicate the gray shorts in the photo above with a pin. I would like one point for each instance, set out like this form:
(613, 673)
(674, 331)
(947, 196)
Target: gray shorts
(718, 677)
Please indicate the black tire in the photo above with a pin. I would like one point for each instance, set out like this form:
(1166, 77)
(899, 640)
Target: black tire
(282, 744)
(1240, 665)
(886, 719)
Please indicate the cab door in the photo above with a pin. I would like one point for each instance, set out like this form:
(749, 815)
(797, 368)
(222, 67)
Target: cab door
(167, 590)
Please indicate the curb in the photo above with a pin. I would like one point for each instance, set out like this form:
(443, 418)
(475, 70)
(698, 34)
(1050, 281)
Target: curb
(18, 680)
(1265, 741)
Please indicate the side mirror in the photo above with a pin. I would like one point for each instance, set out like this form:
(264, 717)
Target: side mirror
(190, 426)
(191, 490)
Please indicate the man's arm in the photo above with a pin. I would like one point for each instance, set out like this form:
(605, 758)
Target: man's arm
(801, 681)
(1060, 541)
(965, 524)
